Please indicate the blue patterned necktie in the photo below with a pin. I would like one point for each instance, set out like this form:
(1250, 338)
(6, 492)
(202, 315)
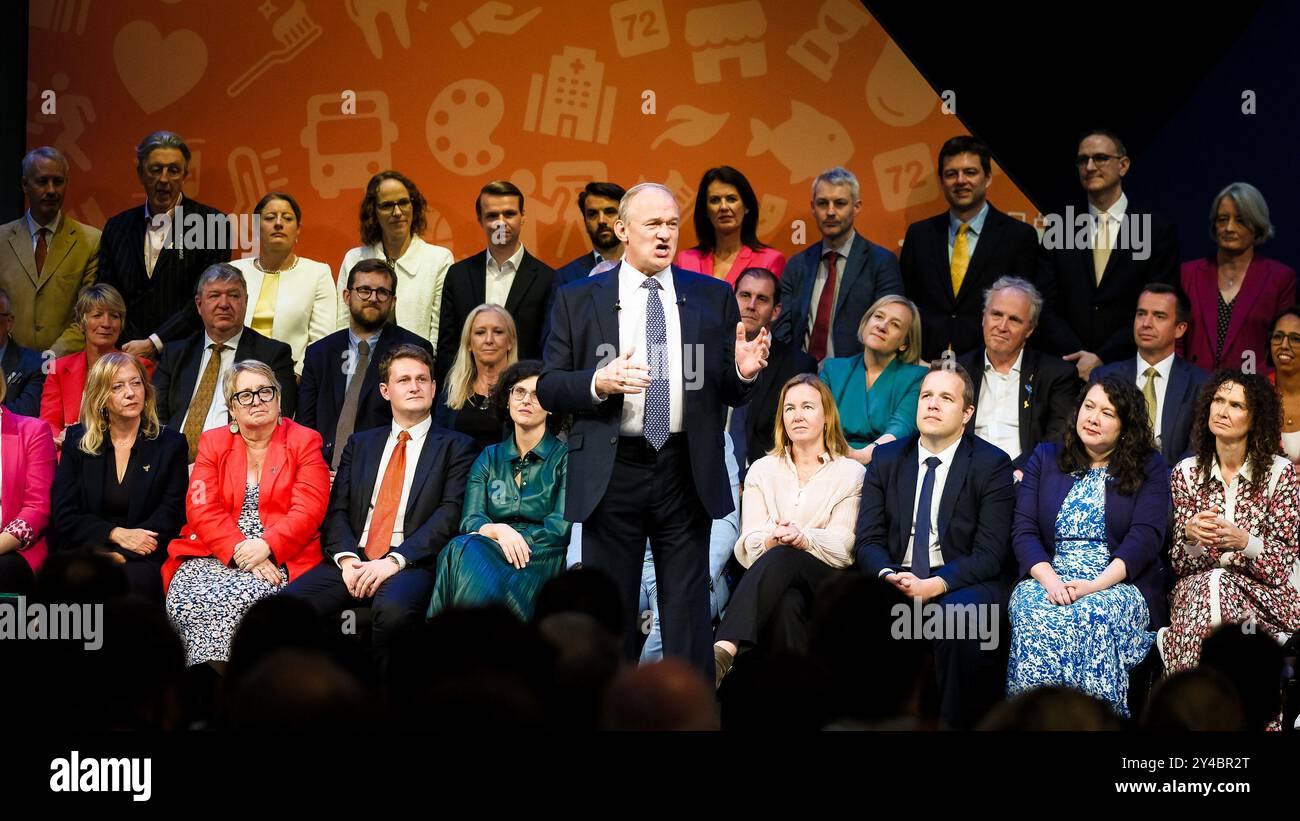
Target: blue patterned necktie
(656, 338)
(921, 532)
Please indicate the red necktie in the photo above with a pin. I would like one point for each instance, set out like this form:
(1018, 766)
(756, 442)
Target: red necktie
(825, 304)
(379, 540)
(41, 250)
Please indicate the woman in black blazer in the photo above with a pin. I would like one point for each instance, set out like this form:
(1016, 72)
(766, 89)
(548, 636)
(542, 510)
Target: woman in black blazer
(120, 485)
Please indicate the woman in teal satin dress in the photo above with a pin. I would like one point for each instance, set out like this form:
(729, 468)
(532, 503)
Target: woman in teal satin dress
(877, 391)
(514, 536)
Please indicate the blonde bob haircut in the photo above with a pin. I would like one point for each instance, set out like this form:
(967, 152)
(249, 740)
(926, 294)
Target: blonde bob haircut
(832, 431)
(911, 350)
(464, 372)
(94, 401)
(98, 295)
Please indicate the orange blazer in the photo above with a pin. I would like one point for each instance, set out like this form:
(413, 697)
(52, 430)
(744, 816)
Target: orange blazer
(64, 385)
(292, 498)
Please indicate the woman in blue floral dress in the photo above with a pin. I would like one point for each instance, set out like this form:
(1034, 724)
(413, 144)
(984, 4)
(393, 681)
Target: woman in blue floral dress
(1091, 516)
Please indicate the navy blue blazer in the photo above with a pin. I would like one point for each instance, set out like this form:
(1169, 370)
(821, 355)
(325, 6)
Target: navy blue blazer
(1185, 381)
(575, 270)
(321, 392)
(159, 476)
(433, 505)
(24, 379)
(584, 335)
(974, 511)
(1135, 525)
(871, 272)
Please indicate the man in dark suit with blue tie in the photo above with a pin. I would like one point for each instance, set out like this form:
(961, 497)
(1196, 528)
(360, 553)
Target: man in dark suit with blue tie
(331, 399)
(395, 503)
(827, 288)
(950, 260)
(633, 354)
(598, 203)
(1169, 383)
(935, 522)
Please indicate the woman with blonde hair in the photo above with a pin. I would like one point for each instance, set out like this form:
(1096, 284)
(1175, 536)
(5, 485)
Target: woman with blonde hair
(256, 503)
(877, 391)
(488, 345)
(100, 313)
(798, 515)
(120, 486)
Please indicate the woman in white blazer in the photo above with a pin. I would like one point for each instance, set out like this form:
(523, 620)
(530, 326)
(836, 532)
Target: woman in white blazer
(393, 215)
(290, 298)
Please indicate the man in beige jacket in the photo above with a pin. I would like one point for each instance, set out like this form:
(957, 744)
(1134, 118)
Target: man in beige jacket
(46, 257)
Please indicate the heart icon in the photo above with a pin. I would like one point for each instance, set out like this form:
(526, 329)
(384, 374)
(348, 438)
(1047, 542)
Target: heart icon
(158, 70)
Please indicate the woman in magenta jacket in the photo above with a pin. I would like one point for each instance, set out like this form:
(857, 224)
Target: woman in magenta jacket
(26, 474)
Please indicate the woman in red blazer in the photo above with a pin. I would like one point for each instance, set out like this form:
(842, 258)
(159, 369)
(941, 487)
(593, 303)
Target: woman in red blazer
(257, 498)
(99, 312)
(26, 474)
(1235, 294)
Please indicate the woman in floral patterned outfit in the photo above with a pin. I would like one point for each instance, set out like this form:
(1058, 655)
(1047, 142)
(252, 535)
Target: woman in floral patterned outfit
(1236, 511)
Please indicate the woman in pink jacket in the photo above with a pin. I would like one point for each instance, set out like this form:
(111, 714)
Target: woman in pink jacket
(726, 227)
(26, 474)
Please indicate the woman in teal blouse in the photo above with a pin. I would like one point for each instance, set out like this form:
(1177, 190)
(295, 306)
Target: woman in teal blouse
(877, 392)
(514, 533)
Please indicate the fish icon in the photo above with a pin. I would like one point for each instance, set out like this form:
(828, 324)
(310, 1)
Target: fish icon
(805, 144)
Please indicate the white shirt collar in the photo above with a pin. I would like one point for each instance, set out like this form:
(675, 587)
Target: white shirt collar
(1116, 211)
(945, 457)
(1163, 367)
(514, 259)
(845, 245)
(149, 215)
(232, 343)
(1215, 473)
(417, 431)
(52, 227)
(1015, 366)
(629, 277)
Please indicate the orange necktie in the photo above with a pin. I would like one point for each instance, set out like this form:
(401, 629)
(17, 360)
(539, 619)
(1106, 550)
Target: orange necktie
(379, 540)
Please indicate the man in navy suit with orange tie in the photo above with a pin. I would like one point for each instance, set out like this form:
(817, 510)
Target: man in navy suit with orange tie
(633, 354)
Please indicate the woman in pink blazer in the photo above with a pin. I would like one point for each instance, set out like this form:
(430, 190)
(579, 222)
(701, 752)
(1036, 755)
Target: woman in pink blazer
(726, 225)
(26, 474)
(99, 312)
(1235, 294)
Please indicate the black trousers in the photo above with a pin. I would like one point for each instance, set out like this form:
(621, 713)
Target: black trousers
(402, 598)
(651, 495)
(773, 600)
(971, 678)
(16, 574)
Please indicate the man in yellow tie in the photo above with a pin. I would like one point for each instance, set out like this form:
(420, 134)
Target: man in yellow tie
(950, 260)
(191, 371)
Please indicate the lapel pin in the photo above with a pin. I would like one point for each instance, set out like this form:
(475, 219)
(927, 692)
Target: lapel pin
(145, 468)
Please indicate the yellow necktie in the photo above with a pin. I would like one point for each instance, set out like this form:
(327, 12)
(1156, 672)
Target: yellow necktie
(1149, 393)
(202, 401)
(960, 258)
(264, 312)
(1101, 245)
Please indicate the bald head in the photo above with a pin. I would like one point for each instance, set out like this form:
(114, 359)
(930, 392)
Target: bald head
(648, 225)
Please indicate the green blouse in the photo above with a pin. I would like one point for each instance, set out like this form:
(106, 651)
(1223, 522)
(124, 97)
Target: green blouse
(535, 506)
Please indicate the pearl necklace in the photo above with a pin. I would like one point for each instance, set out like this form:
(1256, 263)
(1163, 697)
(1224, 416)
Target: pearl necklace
(257, 263)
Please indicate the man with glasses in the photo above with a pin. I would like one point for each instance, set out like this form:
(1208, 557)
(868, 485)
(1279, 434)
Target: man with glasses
(332, 399)
(152, 254)
(1090, 287)
(191, 370)
(505, 274)
(1169, 383)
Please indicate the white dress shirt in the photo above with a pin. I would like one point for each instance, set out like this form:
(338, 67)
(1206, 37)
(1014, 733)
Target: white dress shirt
(940, 477)
(631, 331)
(1116, 218)
(218, 414)
(414, 446)
(156, 235)
(305, 304)
(501, 277)
(1163, 368)
(997, 417)
(53, 228)
(421, 272)
(819, 285)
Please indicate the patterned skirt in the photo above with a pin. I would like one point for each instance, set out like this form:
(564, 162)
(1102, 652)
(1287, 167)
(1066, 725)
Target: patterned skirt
(472, 571)
(205, 602)
(1203, 601)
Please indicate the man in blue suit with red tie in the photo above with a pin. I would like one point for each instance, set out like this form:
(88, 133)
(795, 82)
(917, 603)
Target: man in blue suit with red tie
(633, 354)
(935, 522)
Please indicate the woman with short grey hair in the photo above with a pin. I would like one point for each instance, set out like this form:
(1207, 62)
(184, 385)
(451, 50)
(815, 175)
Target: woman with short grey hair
(1235, 292)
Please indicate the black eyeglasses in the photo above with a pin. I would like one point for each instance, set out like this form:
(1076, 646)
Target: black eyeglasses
(1279, 337)
(367, 293)
(388, 206)
(263, 395)
(1098, 159)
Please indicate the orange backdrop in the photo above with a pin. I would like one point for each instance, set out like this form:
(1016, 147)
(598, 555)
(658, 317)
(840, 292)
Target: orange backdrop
(314, 97)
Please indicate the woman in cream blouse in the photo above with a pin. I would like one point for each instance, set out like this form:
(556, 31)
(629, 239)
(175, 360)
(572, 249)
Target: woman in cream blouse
(393, 215)
(798, 514)
(290, 298)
